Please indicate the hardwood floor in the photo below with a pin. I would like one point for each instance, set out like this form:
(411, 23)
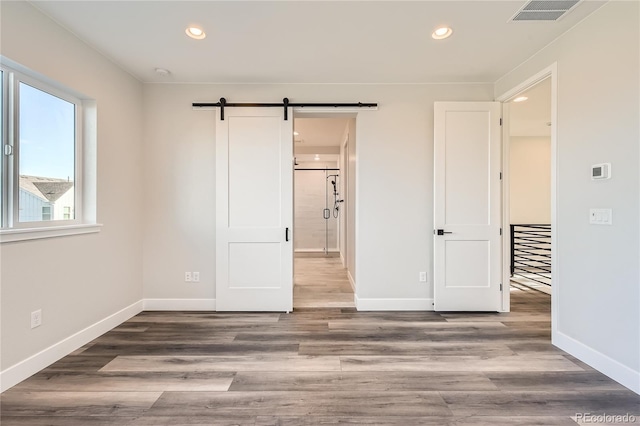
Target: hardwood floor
(321, 366)
(321, 282)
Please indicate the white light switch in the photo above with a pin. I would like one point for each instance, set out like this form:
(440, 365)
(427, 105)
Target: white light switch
(600, 216)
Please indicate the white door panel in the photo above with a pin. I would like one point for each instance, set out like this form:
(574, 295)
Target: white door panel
(467, 192)
(254, 209)
(475, 272)
(265, 259)
(466, 163)
(255, 172)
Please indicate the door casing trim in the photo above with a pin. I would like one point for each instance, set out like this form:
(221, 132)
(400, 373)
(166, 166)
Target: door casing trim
(549, 72)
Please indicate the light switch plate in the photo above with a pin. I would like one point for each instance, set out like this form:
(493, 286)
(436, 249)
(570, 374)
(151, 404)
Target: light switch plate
(600, 216)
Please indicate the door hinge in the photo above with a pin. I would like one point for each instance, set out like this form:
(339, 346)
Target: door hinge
(501, 121)
(500, 175)
(500, 286)
(500, 231)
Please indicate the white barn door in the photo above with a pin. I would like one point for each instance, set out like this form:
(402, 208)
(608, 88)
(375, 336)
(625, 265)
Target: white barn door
(467, 218)
(254, 210)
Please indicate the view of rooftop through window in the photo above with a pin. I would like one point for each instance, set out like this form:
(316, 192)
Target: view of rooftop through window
(47, 156)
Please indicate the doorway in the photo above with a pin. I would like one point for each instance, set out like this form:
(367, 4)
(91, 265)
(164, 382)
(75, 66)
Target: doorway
(547, 76)
(321, 202)
(530, 188)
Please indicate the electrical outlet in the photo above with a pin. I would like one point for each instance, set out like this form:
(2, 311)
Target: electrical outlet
(188, 277)
(423, 277)
(196, 277)
(36, 318)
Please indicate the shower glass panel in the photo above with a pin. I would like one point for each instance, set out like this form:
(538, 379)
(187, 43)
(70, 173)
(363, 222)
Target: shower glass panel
(316, 199)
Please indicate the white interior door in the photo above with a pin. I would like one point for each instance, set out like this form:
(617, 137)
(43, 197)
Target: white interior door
(467, 241)
(254, 210)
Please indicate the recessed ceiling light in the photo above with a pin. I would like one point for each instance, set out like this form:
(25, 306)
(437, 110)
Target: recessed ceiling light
(195, 32)
(520, 99)
(317, 157)
(441, 33)
(296, 134)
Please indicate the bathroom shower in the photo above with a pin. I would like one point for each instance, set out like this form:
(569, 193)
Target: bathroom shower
(327, 213)
(336, 200)
(334, 211)
(318, 208)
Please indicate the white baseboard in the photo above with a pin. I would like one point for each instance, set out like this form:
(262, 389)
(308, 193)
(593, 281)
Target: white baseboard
(25, 369)
(352, 282)
(393, 304)
(179, 304)
(344, 262)
(601, 362)
(320, 250)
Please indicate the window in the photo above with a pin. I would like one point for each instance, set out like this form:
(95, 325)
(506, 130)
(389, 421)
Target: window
(46, 150)
(41, 168)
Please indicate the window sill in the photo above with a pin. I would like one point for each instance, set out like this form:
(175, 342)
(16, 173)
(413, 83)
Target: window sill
(25, 234)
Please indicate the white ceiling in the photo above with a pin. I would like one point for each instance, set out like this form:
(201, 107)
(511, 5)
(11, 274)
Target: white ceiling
(531, 117)
(319, 131)
(324, 160)
(311, 41)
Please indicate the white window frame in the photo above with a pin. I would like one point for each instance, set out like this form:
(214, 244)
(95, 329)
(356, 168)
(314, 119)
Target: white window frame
(11, 228)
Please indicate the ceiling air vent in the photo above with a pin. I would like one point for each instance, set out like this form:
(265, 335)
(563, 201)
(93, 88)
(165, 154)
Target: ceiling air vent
(544, 10)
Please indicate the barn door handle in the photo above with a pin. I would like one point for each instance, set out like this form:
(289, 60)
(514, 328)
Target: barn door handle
(286, 234)
(442, 232)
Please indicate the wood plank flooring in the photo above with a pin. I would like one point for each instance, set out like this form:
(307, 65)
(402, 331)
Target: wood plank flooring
(320, 281)
(321, 367)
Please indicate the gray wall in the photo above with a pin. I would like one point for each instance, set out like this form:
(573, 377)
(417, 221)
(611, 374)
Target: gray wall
(76, 280)
(352, 169)
(598, 111)
(81, 280)
(394, 196)
(530, 179)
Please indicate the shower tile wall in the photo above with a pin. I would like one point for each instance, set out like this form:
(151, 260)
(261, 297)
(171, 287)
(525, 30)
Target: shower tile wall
(309, 204)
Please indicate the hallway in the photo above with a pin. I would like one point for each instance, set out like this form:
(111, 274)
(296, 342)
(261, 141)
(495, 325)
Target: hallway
(320, 282)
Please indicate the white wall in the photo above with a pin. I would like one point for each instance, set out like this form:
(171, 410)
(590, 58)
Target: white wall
(179, 197)
(394, 200)
(342, 225)
(312, 190)
(76, 280)
(530, 179)
(351, 192)
(598, 285)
